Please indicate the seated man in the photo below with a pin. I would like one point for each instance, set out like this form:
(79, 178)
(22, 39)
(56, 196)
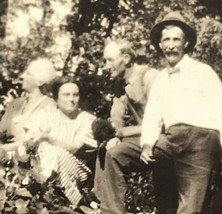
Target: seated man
(124, 157)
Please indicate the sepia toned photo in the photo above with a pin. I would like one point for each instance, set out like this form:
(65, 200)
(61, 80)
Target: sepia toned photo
(110, 107)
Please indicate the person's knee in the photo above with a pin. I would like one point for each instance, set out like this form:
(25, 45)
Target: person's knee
(117, 157)
(116, 152)
(112, 155)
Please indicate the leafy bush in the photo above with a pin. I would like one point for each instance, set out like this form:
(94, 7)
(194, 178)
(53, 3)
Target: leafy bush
(140, 193)
(83, 35)
(73, 37)
(24, 190)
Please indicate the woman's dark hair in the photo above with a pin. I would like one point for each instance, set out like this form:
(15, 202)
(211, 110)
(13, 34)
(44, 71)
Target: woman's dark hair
(45, 89)
(59, 81)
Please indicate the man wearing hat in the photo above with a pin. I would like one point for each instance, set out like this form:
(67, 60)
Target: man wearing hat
(182, 123)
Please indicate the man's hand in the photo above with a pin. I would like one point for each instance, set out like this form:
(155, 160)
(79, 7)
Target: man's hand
(112, 142)
(147, 154)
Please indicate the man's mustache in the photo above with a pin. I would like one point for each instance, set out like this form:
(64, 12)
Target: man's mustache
(172, 52)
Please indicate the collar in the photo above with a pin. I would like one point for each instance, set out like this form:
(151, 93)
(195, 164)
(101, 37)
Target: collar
(181, 64)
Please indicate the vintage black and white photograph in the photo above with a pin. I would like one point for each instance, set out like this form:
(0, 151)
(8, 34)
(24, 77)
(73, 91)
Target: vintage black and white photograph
(110, 107)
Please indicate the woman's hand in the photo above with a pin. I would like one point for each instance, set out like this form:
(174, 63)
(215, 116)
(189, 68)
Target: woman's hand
(31, 140)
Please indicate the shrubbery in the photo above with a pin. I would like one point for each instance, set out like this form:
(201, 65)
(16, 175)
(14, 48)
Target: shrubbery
(73, 36)
(24, 190)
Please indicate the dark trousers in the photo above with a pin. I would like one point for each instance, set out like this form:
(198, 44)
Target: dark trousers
(192, 154)
(110, 184)
(186, 160)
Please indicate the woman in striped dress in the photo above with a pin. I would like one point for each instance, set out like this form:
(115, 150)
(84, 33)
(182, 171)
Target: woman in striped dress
(60, 132)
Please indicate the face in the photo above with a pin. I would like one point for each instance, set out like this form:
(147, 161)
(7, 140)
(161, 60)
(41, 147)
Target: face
(29, 81)
(68, 98)
(114, 59)
(173, 44)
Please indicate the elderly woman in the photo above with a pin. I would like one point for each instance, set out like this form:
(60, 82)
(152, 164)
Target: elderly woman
(59, 133)
(35, 80)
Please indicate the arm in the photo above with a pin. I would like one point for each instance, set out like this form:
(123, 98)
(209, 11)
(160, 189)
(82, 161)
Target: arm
(148, 79)
(128, 131)
(11, 146)
(152, 122)
(117, 118)
(83, 135)
(213, 91)
(37, 127)
(118, 109)
(73, 148)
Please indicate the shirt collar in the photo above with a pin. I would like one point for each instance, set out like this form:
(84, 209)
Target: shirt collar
(182, 63)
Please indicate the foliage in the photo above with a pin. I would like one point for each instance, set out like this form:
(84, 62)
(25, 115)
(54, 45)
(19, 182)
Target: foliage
(140, 193)
(134, 20)
(25, 190)
(73, 36)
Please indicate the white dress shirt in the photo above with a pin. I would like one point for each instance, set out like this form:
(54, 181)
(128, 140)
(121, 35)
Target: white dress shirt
(193, 96)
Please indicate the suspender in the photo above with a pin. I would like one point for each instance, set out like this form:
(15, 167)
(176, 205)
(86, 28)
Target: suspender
(137, 118)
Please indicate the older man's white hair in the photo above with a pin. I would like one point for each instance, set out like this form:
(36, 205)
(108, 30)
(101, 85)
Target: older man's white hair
(43, 70)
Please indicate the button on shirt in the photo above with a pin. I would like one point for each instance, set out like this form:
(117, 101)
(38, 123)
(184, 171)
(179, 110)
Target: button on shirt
(192, 95)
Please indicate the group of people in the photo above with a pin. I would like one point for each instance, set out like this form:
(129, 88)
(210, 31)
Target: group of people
(55, 127)
(176, 131)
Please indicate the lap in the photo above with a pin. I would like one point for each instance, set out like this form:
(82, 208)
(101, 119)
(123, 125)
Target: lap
(128, 147)
(127, 154)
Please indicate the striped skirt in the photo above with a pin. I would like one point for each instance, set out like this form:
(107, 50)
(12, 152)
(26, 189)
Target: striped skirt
(72, 173)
